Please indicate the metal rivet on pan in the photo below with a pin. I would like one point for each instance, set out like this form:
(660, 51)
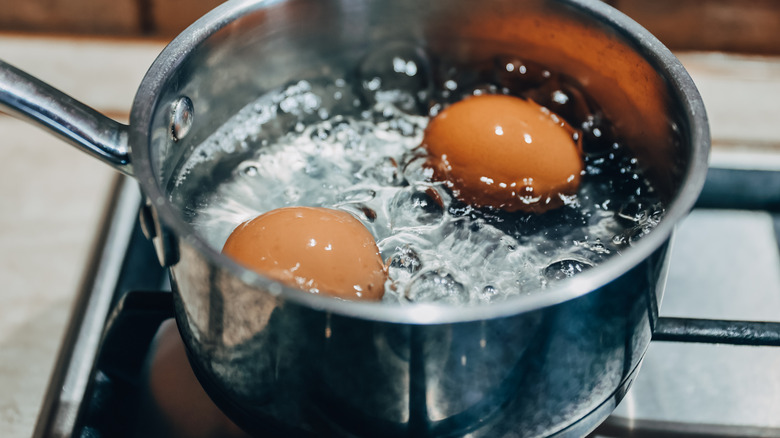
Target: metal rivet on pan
(182, 114)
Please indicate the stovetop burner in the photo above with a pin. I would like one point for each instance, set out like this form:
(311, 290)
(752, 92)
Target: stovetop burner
(122, 371)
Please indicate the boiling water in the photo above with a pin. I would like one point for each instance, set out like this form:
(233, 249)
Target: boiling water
(353, 144)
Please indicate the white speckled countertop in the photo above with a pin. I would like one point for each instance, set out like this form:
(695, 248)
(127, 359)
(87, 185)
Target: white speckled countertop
(52, 197)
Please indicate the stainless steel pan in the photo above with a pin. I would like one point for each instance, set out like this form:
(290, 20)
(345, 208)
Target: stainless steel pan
(284, 362)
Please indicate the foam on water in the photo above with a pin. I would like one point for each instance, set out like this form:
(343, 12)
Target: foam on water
(326, 143)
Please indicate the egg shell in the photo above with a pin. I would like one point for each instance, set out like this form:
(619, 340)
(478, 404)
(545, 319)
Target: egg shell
(319, 250)
(504, 152)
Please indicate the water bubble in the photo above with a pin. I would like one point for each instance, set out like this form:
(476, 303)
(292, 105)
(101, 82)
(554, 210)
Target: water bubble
(385, 171)
(416, 206)
(560, 97)
(300, 100)
(597, 247)
(633, 212)
(400, 99)
(314, 167)
(518, 75)
(405, 258)
(436, 286)
(620, 240)
(488, 293)
(637, 233)
(373, 84)
(334, 97)
(434, 109)
(404, 127)
(597, 135)
(292, 194)
(415, 169)
(643, 218)
(656, 214)
(346, 135)
(364, 213)
(248, 168)
(360, 195)
(630, 236)
(320, 132)
(407, 67)
(483, 89)
(397, 73)
(566, 268)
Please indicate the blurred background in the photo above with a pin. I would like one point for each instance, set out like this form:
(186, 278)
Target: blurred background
(52, 198)
(134, 18)
(744, 26)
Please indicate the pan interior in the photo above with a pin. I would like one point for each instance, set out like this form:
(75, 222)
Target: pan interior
(270, 49)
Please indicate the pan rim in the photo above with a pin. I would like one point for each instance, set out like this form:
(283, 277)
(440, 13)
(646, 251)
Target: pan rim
(683, 91)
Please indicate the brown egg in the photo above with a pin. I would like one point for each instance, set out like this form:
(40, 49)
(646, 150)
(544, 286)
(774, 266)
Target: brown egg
(504, 152)
(319, 250)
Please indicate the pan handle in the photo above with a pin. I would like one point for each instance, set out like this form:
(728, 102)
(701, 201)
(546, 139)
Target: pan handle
(738, 189)
(709, 331)
(28, 98)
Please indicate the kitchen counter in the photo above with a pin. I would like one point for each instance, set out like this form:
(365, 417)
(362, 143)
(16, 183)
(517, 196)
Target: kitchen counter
(52, 198)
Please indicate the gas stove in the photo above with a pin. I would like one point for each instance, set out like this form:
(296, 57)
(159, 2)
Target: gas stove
(117, 374)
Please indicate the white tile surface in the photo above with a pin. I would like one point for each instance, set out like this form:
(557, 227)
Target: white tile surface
(739, 93)
(103, 74)
(717, 385)
(51, 202)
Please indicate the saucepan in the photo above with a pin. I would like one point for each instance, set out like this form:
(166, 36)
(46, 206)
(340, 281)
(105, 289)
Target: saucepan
(285, 362)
